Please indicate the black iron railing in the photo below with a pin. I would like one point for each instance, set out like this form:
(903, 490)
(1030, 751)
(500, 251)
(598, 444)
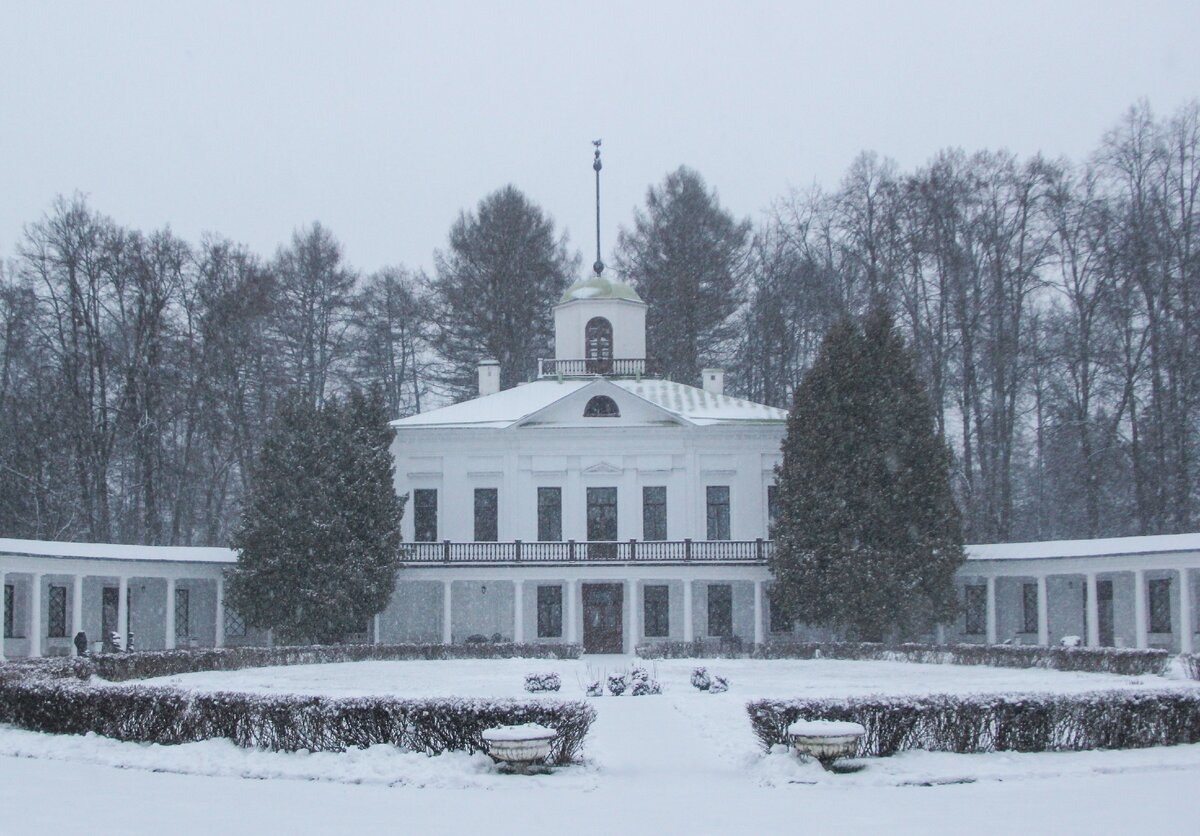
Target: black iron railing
(585, 368)
(590, 551)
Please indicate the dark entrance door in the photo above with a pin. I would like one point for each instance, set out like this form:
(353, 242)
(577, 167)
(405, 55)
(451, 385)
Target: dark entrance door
(602, 623)
(108, 617)
(1104, 601)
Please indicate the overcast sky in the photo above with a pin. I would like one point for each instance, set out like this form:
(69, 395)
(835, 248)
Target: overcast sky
(384, 120)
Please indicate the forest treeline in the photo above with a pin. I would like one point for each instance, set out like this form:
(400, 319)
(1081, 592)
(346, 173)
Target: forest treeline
(1051, 304)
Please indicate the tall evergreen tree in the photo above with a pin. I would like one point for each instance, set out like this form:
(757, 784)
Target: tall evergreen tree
(686, 257)
(318, 543)
(493, 289)
(868, 537)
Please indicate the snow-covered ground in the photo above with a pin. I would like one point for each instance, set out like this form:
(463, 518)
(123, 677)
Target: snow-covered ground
(680, 762)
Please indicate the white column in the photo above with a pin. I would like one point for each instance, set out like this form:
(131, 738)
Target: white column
(219, 635)
(1140, 638)
(991, 611)
(375, 630)
(758, 612)
(1092, 612)
(519, 611)
(447, 634)
(1185, 612)
(35, 615)
(76, 605)
(123, 611)
(689, 632)
(940, 633)
(635, 621)
(572, 595)
(169, 641)
(1043, 605)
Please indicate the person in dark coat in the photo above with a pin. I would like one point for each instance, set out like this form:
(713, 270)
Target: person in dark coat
(81, 643)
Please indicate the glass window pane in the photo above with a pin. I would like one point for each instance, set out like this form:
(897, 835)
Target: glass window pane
(772, 508)
(654, 512)
(602, 513)
(549, 612)
(486, 515)
(425, 522)
(183, 619)
(656, 611)
(1030, 605)
(8, 610)
(718, 512)
(549, 514)
(975, 605)
(57, 616)
(1160, 605)
(720, 610)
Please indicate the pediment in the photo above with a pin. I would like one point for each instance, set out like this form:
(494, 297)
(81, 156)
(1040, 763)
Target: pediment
(601, 468)
(570, 410)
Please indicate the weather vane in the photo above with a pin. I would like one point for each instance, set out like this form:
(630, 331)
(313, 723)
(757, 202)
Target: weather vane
(596, 166)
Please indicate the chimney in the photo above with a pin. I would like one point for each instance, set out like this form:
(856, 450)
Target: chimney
(489, 377)
(713, 380)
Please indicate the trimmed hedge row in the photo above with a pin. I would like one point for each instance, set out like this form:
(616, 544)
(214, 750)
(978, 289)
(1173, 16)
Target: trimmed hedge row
(1090, 659)
(49, 701)
(119, 667)
(993, 723)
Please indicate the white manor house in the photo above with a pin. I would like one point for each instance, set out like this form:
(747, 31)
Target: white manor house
(596, 504)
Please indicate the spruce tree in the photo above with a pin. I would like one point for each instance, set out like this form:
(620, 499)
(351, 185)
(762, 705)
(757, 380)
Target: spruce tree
(868, 537)
(319, 537)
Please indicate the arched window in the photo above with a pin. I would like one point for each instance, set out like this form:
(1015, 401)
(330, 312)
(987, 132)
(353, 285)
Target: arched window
(601, 406)
(598, 343)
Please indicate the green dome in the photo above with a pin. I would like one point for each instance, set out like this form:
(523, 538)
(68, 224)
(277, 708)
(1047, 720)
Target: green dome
(598, 287)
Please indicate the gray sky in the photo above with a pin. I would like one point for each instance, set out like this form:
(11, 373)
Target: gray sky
(383, 120)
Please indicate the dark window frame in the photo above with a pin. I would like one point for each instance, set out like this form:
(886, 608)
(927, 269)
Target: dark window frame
(975, 609)
(56, 611)
(235, 625)
(717, 515)
(425, 515)
(1158, 591)
(549, 611)
(656, 611)
(720, 610)
(487, 515)
(10, 607)
(597, 511)
(1029, 607)
(598, 345)
(601, 406)
(183, 613)
(549, 513)
(654, 512)
(772, 509)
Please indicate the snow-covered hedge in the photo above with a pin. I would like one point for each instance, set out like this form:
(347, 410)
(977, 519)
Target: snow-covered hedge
(118, 667)
(992, 723)
(1090, 659)
(45, 699)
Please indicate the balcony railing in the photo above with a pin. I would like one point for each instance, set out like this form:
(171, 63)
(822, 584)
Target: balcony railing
(589, 551)
(586, 368)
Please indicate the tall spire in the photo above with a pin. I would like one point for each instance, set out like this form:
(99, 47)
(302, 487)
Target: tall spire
(596, 166)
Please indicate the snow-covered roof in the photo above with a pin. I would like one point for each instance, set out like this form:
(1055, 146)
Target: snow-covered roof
(510, 406)
(598, 287)
(117, 551)
(1087, 548)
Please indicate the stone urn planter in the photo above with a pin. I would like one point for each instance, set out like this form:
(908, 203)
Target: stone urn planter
(825, 740)
(519, 746)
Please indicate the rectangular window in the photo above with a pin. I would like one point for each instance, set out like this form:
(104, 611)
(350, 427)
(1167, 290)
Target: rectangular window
(602, 513)
(56, 618)
(9, 603)
(720, 610)
(1160, 605)
(654, 512)
(975, 607)
(549, 612)
(772, 508)
(425, 515)
(486, 515)
(780, 622)
(656, 611)
(235, 625)
(183, 620)
(549, 514)
(1029, 607)
(718, 512)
